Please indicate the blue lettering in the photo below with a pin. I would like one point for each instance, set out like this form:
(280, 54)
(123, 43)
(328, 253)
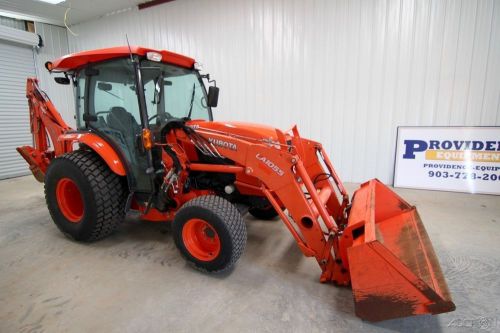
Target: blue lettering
(490, 145)
(434, 144)
(413, 146)
(446, 145)
(458, 144)
(477, 145)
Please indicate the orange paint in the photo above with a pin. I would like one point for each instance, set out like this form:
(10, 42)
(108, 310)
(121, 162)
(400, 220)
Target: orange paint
(101, 147)
(201, 240)
(75, 60)
(69, 200)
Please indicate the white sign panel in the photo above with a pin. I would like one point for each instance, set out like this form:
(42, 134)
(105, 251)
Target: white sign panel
(462, 159)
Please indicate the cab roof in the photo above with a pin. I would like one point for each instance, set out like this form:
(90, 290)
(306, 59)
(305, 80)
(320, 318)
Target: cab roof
(75, 60)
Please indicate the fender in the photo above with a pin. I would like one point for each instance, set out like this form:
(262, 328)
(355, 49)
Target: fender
(101, 147)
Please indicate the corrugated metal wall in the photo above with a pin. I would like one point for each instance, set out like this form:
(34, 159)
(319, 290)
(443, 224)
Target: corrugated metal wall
(348, 72)
(16, 65)
(55, 45)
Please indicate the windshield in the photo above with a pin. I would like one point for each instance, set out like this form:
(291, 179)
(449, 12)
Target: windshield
(173, 92)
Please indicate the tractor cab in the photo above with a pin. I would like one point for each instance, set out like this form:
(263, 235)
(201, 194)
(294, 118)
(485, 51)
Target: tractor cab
(121, 98)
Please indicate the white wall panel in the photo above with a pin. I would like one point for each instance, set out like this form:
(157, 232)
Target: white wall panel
(55, 45)
(14, 115)
(347, 72)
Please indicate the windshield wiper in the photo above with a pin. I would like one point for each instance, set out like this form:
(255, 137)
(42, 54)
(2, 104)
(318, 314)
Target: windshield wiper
(191, 105)
(113, 95)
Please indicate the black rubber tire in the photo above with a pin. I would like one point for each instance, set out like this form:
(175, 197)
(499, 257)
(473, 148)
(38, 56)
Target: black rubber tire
(103, 194)
(268, 213)
(227, 221)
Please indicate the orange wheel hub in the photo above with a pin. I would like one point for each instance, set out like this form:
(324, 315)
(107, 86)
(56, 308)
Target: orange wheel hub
(69, 200)
(201, 239)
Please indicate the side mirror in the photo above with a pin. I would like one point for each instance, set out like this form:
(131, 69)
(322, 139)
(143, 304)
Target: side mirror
(62, 80)
(213, 96)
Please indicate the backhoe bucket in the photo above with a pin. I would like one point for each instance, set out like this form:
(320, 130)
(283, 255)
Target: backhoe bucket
(394, 270)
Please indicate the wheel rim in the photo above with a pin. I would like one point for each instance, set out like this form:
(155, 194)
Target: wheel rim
(69, 200)
(201, 239)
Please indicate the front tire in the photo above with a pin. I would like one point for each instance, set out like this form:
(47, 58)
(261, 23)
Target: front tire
(85, 198)
(210, 233)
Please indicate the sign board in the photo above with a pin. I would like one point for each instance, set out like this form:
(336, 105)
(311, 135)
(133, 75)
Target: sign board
(460, 159)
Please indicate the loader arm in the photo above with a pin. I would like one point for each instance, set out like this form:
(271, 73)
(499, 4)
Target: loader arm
(376, 243)
(290, 176)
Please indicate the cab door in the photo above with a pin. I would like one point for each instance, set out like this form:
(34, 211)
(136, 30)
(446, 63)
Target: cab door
(106, 95)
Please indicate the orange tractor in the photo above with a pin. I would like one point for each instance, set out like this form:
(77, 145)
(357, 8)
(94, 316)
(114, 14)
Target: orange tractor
(145, 141)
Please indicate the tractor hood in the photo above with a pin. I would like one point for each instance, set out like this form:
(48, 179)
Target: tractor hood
(241, 129)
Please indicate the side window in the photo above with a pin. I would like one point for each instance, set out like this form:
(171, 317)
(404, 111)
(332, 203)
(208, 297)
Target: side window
(114, 87)
(107, 95)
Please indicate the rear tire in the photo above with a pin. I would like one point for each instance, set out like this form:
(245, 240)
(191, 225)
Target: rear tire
(210, 233)
(85, 198)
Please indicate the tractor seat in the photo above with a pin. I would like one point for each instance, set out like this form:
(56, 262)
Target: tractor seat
(123, 121)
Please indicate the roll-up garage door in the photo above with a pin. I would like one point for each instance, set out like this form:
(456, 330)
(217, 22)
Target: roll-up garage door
(16, 64)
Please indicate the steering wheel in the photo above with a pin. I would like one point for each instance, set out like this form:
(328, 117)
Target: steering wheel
(164, 116)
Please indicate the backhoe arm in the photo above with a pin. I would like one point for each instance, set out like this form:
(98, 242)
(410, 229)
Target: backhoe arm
(46, 125)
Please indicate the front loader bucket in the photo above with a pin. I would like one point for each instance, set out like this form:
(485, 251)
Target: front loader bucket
(394, 270)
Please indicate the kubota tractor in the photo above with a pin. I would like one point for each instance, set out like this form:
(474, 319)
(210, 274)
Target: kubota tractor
(145, 141)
